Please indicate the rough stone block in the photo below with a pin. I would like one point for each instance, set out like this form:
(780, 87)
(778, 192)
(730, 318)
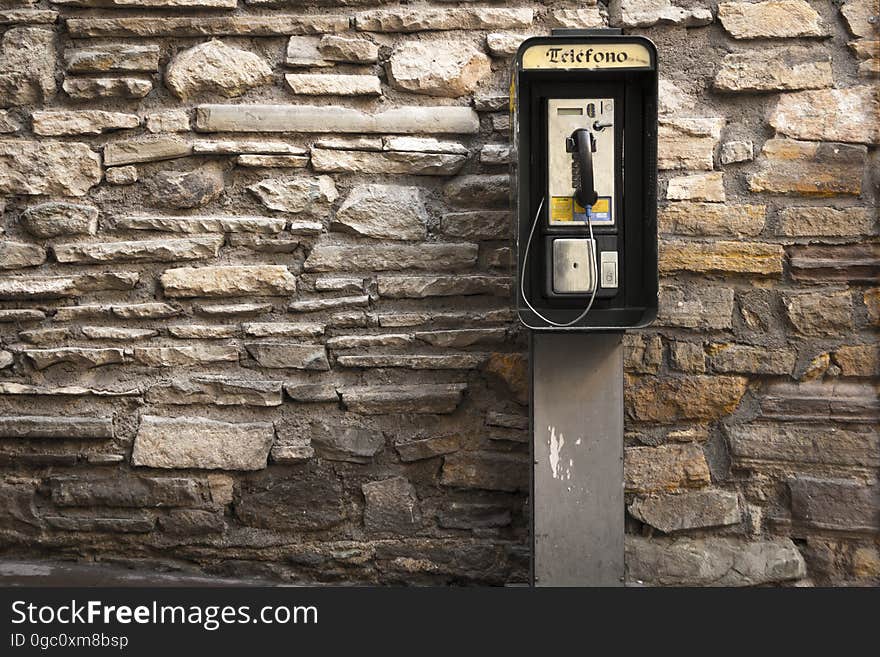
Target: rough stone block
(712, 561)
(228, 281)
(485, 470)
(167, 442)
(670, 400)
(391, 505)
(688, 510)
(416, 398)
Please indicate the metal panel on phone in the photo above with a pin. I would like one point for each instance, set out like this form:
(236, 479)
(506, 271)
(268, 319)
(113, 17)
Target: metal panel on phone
(573, 264)
(564, 115)
(577, 432)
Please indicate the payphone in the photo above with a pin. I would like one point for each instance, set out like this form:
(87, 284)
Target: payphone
(584, 122)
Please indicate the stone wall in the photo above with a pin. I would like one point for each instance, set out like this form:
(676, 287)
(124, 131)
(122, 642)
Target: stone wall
(255, 300)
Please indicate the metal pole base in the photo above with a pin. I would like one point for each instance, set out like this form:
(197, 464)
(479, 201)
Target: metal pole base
(577, 483)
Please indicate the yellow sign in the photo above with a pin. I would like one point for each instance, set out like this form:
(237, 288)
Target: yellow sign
(563, 208)
(596, 55)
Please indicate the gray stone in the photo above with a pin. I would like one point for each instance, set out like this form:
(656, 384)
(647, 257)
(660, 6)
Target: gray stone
(697, 187)
(737, 151)
(232, 309)
(418, 19)
(344, 49)
(774, 20)
(712, 561)
(8, 124)
(820, 221)
(478, 191)
(60, 218)
(419, 287)
(827, 313)
(215, 68)
(844, 115)
(202, 332)
(323, 119)
(465, 361)
(583, 17)
(422, 145)
(283, 329)
(346, 443)
(193, 26)
(47, 167)
(15, 255)
(200, 224)
(774, 69)
(108, 57)
(191, 522)
(185, 356)
(21, 315)
(105, 87)
(384, 211)
(127, 175)
(462, 337)
(288, 454)
(694, 307)
(153, 310)
(486, 470)
(27, 66)
(82, 357)
(328, 257)
(273, 161)
(369, 341)
(495, 154)
(246, 147)
(388, 162)
(164, 250)
(177, 120)
(56, 287)
(313, 500)
(333, 84)
(6, 359)
(186, 189)
(688, 143)
(81, 122)
(45, 336)
(220, 391)
(62, 427)
(437, 68)
(117, 334)
(347, 143)
(747, 359)
(284, 355)
(483, 225)
(426, 448)
(228, 281)
(391, 505)
(835, 504)
(646, 13)
(134, 523)
(302, 52)
(757, 446)
(837, 400)
(128, 491)
(164, 442)
(664, 468)
(147, 149)
(419, 398)
(311, 392)
(689, 510)
(469, 515)
(315, 305)
(310, 197)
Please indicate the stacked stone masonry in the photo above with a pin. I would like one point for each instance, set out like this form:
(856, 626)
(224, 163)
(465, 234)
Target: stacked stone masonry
(255, 291)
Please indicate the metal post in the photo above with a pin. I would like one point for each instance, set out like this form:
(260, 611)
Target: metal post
(577, 436)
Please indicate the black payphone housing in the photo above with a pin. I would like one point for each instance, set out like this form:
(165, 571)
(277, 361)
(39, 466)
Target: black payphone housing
(584, 115)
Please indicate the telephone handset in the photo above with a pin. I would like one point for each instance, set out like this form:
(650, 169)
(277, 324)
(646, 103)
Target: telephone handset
(582, 144)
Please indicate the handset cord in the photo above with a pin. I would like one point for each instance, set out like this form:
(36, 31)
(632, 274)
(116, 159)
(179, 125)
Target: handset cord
(594, 271)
